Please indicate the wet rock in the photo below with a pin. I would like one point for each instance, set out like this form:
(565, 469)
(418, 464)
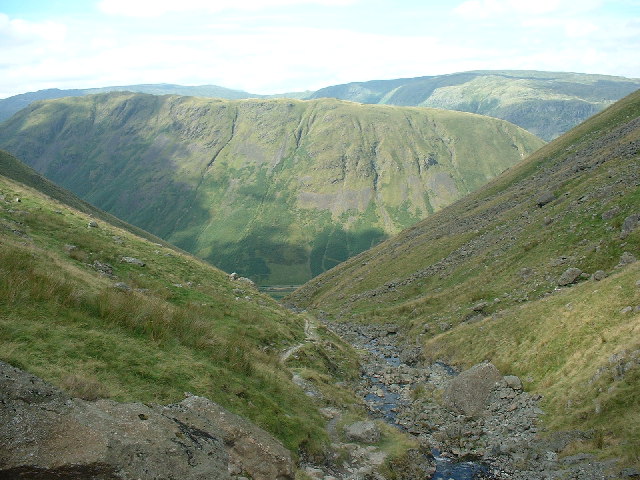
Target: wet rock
(364, 432)
(468, 392)
(569, 276)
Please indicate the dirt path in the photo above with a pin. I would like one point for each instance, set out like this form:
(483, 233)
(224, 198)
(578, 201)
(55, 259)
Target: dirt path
(310, 335)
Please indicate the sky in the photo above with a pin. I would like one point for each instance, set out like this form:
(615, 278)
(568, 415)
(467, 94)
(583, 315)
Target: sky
(277, 46)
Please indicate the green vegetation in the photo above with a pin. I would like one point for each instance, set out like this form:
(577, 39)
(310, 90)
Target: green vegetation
(488, 266)
(74, 313)
(277, 190)
(545, 103)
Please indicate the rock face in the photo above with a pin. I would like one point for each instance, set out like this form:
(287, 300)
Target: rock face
(46, 434)
(468, 392)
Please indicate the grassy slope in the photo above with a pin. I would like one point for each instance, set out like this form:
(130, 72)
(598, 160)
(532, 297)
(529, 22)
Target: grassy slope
(545, 103)
(498, 246)
(184, 326)
(277, 189)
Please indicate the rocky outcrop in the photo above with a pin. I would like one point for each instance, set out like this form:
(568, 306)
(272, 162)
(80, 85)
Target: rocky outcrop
(44, 433)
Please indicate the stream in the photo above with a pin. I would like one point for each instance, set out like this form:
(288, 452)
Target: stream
(386, 404)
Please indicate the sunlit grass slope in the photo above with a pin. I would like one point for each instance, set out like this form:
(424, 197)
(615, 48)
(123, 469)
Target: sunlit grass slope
(480, 279)
(73, 312)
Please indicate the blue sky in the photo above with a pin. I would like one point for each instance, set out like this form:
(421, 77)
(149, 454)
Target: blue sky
(273, 46)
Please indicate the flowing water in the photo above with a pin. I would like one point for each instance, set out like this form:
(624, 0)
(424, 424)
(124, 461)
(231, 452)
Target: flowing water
(387, 403)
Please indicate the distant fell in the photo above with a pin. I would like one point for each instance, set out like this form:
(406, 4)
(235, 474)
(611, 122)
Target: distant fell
(544, 103)
(13, 104)
(279, 190)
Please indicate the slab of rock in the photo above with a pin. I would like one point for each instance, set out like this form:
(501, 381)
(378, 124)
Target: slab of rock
(364, 432)
(468, 393)
(569, 276)
(44, 433)
(251, 449)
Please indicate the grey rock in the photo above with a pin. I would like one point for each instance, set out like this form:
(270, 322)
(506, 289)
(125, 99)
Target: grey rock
(513, 382)
(46, 434)
(629, 225)
(122, 286)
(609, 214)
(569, 276)
(544, 198)
(626, 258)
(365, 432)
(468, 392)
(599, 275)
(133, 261)
(478, 307)
(92, 224)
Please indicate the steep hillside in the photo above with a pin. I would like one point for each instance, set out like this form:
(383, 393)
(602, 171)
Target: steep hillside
(536, 272)
(279, 190)
(544, 103)
(101, 312)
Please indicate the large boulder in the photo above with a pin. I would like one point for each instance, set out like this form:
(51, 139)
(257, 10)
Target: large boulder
(468, 393)
(44, 433)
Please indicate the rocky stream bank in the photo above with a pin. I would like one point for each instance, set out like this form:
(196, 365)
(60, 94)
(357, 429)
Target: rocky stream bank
(475, 424)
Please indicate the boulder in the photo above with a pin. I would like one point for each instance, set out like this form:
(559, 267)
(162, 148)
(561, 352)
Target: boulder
(629, 225)
(133, 261)
(468, 393)
(544, 198)
(569, 276)
(364, 432)
(599, 275)
(513, 382)
(44, 433)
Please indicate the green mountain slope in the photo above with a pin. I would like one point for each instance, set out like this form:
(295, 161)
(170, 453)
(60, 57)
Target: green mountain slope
(279, 190)
(79, 311)
(544, 103)
(488, 278)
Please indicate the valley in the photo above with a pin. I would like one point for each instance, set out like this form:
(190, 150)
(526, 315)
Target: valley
(457, 299)
(275, 190)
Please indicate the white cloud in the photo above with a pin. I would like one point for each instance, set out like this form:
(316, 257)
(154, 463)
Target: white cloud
(15, 32)
(151, 8)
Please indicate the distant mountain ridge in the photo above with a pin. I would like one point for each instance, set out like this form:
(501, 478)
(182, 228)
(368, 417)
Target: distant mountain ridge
(279, 190)
(545, 103)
